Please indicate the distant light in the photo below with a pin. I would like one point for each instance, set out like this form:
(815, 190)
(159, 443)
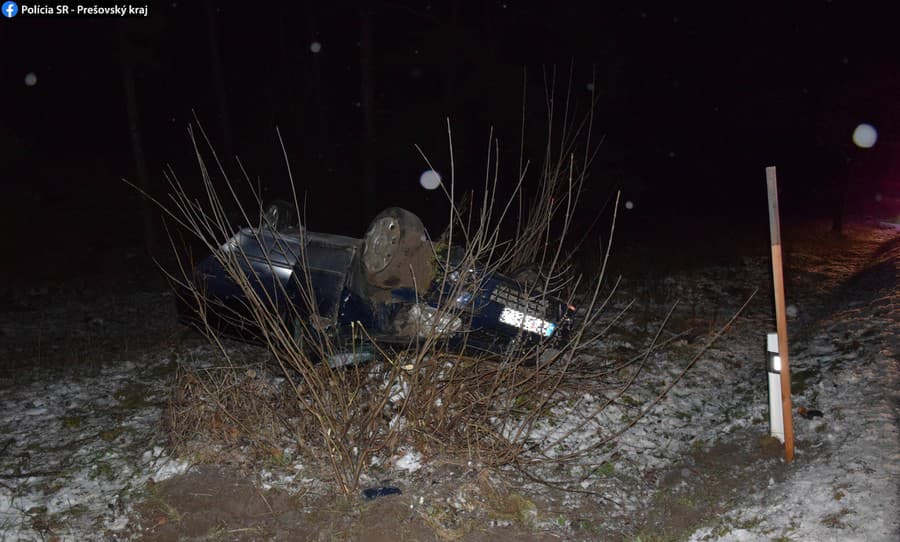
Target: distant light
(629, 205)
(430, 179)
(865, 136)
(30, 79)
(315, 47)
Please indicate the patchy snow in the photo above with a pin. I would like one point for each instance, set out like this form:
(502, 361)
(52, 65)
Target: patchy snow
(410, 461)
(78, 446)
(844, 481)
(77, 449)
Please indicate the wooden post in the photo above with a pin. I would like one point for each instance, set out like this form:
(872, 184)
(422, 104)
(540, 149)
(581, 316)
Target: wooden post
(780, 313)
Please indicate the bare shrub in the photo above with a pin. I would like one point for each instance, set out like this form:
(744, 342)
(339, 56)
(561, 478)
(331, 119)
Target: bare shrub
(217, 412)
(431, 397)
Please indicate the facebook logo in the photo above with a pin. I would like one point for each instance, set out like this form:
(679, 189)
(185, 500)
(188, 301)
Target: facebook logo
(10, 9)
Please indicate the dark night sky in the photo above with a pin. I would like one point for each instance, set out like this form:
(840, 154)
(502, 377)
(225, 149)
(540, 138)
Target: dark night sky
(692, 102)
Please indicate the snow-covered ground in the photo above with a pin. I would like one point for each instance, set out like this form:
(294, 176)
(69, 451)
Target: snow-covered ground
(78, 446)
(76, 450)
(845, 481)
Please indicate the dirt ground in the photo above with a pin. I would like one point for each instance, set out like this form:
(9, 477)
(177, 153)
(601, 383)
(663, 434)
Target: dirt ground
(220, 503)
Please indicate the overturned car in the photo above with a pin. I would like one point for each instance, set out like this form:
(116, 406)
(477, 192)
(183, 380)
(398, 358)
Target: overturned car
(393, 286)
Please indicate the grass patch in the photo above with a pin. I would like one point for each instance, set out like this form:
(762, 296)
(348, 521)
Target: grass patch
(512, 507)
(110, 435)
(71, 422)
(157, 508)
(132, 397)
(605, 470)
(801, 379)
(836, 520)
(104, 471)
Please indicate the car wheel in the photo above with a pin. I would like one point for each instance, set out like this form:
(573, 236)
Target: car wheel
(527, 276)
(396, 252)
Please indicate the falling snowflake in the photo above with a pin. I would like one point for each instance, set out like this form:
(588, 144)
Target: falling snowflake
(430, 179)
(865, 136)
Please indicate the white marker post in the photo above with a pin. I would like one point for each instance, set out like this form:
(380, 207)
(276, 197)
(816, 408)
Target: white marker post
(780, 314)
(776, 415)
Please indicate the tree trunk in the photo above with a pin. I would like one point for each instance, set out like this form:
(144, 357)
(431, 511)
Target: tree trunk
(367, 71)
(840, 184)
(318, 148)
(218, 78)
(127, 65)
(450, 61)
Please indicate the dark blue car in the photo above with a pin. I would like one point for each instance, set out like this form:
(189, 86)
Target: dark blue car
(393, 282)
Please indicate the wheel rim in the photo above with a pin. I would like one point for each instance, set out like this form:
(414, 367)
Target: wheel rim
(380, 242)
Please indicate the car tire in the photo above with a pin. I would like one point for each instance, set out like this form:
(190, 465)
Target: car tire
(528, 276)
(396, 251)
